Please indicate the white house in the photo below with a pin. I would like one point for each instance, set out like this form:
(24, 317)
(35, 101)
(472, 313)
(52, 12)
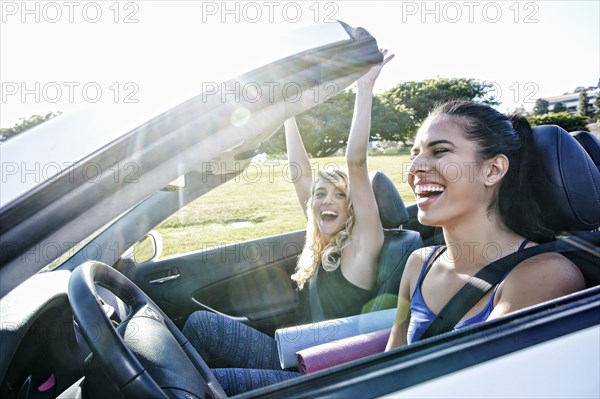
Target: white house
(570, 100)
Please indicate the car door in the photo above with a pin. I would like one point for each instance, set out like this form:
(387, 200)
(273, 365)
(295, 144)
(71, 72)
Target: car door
(249, 281)
(215, 253)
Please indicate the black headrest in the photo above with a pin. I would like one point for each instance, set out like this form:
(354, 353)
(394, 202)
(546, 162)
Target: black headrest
(391, 208)
(590, 143)
(568, 189)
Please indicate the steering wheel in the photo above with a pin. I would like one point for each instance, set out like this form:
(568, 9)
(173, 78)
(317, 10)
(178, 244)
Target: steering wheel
(145, 356)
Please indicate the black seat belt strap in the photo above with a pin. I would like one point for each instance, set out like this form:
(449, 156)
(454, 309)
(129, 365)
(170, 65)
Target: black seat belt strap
(316, 310)
(490, 275)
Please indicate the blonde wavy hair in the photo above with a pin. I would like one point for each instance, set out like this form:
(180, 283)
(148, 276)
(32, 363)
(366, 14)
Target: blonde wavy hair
(316, 251)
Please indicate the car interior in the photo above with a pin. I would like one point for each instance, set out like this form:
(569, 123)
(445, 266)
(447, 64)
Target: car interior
(567, 191)
(96, 330)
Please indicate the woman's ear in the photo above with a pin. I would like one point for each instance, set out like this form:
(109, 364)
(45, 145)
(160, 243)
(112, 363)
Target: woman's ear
(495, 169)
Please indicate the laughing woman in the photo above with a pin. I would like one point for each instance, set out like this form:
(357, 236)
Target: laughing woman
(470, 176)
(343, 237)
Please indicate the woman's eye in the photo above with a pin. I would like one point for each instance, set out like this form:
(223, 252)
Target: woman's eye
(341, 195)
(319, 195)
(440, 151)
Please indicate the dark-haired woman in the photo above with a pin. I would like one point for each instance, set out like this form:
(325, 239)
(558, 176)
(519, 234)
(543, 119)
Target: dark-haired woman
(469, 174)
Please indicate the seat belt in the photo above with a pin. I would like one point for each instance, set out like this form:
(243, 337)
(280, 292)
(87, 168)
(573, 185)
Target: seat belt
(490, 275)
(316, 311)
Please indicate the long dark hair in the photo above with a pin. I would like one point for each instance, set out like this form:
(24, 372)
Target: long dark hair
(496, 133)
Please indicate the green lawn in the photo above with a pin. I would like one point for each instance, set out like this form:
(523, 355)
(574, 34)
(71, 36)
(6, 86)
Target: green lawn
(259, 203)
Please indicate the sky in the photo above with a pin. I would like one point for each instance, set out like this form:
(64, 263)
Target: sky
(152, 55)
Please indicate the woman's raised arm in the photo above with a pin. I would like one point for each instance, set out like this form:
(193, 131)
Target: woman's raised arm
(360, 257)
(300, 170)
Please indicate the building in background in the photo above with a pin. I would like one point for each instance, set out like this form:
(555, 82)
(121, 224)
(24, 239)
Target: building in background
(570, 100)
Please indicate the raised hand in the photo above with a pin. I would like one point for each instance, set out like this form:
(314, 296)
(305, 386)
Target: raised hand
(373, 73)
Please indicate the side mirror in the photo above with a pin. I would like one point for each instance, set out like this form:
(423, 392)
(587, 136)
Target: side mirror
(148, 248)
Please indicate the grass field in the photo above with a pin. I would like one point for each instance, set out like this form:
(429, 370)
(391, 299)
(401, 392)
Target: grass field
(259, 203)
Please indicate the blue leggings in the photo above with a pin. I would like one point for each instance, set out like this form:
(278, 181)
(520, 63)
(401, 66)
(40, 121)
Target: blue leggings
(251, 354)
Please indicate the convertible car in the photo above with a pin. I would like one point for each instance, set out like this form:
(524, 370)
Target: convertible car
(103, 321)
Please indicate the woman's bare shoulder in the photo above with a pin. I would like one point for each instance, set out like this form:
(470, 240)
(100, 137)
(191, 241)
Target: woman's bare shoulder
(541, 278)
(550, 267)
(417, 258)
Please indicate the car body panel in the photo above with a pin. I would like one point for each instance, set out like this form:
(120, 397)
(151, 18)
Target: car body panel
(543, 370)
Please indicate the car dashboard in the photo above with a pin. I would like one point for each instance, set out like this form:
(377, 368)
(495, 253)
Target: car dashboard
(43, 352)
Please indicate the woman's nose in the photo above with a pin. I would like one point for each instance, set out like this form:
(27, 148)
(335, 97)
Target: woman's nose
(418, 164)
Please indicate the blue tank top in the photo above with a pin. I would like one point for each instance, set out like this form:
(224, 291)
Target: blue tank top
(420, 314)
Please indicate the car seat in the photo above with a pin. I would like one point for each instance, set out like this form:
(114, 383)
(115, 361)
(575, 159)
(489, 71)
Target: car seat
(567, 190)
(397, 246)
(590, 143)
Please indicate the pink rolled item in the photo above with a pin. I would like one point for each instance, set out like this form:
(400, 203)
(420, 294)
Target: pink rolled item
(345, 350)
(291, 340)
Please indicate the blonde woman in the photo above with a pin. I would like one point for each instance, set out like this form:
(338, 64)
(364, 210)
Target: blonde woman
(343, 239)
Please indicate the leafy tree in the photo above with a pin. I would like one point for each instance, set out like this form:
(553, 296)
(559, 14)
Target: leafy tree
(391, 123)
(597, 105)
(566, 120)
(583, 107)
(421, 97)
(540, 107)
(25, 124)
(559, 107)
(325, 128)
(396, 114)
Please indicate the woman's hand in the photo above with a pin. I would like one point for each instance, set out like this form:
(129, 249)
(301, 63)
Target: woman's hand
(371, 76)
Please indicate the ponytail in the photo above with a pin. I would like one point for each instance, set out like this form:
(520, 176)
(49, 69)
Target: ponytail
(518, 207)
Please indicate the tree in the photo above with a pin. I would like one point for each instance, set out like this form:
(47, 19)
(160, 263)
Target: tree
(583, 107)
(25, 124)
(396, 114)
(540, 107)
(421, 97)
(559, 107)
(391, 123)
(597, 105)
(325, 128)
